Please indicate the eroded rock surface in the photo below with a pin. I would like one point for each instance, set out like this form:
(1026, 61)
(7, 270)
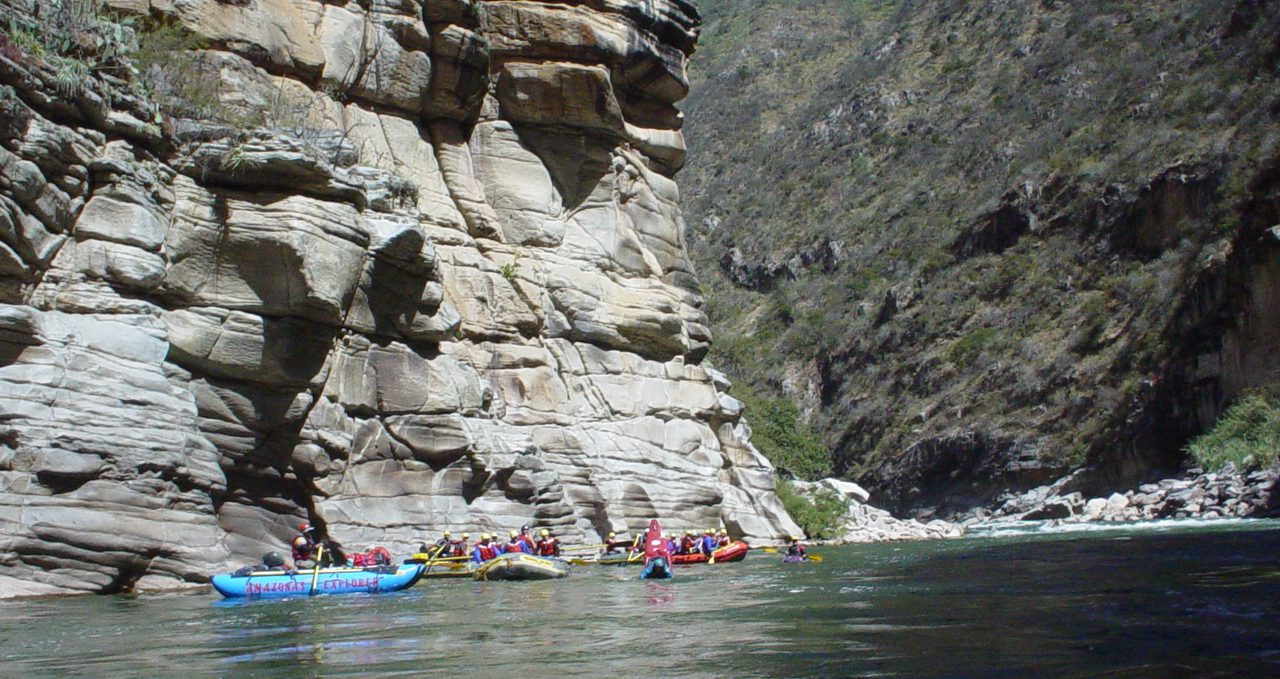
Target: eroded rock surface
(438, 282)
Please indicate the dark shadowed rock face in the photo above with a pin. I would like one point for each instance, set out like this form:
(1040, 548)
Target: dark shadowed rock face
(420, 268)
(1056, 227)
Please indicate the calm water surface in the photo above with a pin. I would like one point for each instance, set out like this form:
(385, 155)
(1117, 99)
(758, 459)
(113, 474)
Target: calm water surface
(1153, 601)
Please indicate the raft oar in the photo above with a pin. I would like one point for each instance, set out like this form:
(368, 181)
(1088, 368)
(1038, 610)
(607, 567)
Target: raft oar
(432, 561)
(581, 548)
(315, 573)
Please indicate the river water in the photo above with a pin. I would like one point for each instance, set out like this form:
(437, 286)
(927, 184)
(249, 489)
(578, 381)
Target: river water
(1165, 600)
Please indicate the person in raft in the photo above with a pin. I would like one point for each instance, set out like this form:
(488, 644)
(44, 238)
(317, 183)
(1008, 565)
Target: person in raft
(304, 549)
(442, 547)
(794, 548)
(484, 549)
(612, 544)
(722, 538)
(709, 543)
(460, 546)
(688, 543)
(549, 545)
(514, 545)
(530, 545)
(672, 547)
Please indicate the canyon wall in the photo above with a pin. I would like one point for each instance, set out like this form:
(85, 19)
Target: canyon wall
(410, 266)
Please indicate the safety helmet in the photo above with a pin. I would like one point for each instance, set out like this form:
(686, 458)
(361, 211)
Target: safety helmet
(524, 528)
(515, 533)
(723, 532)
(612, 534)
(466, 536)
(544, 533)
(688, 532)
(447, 534)
(272, 559)
(304, 527)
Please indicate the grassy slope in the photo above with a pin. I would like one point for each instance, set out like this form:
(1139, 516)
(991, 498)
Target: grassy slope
(860, 139)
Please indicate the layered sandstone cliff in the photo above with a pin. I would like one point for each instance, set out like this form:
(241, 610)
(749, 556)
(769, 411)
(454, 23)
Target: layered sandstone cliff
(439, 281)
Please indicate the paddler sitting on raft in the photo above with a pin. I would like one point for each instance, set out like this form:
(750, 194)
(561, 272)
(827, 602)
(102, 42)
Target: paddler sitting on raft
(549, 545)
(530, 545)
(708, 543)
(304, 549)
(515, 545)
(722, 538)
(612, 545)
(460, 546)
(688, 543)
(484, 549)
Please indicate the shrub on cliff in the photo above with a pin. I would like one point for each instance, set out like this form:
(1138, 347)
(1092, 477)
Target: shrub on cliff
(779, 432)
(1247, 435)
(821, 514)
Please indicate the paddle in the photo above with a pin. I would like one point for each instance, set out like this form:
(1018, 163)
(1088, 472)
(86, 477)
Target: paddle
(581, 548)
(812, 557)
(579, 562)
(315, 573)
(431, 561)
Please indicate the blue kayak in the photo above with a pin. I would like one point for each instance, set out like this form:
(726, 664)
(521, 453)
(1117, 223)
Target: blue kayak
(343, 580)
(657, 569)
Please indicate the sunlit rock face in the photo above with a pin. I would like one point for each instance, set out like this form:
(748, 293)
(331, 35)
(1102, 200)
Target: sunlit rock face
(433, 278)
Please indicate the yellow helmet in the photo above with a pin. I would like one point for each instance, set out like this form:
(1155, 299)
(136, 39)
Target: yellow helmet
(447, 533)
(515, 533)
(544, 532)
(612, 534)
(466, 536)
(688, 532)
(724, 532)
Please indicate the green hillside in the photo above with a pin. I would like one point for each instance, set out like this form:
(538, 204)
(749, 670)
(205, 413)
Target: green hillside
(980, 244)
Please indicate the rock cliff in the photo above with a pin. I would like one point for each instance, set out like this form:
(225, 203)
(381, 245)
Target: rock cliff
(388, 267)
(982, 245)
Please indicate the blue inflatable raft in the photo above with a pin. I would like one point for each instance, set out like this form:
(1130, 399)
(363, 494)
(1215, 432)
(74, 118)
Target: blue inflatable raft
(343, 580)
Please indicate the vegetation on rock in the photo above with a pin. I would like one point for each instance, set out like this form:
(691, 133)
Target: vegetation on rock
(821, 515)
(1246, 436)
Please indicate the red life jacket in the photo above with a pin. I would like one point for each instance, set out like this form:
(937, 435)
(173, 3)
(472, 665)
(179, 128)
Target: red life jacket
(549, 547)
(457, 548)
(515, 546)
(486, 551)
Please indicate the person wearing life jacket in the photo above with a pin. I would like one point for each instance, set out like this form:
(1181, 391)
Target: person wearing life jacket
(484, 549)
(442, 547)
(688, 543)
(515, 544)
(549, 545)
(672, 547)
(708, 543)
(794, 548)
(722, 538)
(530, 545)
(304, 549)
(460, 546)
(611, 545)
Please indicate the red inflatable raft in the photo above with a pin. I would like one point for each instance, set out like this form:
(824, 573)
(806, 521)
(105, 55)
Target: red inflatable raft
(735, 551)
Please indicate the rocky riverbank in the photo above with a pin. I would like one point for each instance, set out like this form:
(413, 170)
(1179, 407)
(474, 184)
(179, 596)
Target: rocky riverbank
(1228, 493)
(1203, 495)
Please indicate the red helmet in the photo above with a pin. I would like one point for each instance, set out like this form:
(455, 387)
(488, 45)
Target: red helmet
(304, 528)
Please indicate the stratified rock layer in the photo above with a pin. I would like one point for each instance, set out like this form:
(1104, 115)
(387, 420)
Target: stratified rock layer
(442, 285)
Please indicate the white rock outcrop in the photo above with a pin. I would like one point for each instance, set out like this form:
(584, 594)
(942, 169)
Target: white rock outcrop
(439, 282)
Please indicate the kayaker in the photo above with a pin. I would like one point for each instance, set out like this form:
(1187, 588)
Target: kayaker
(484, 549)
(722, 538)
(794, 548)
(530, 545)
(549, 545)
(304, 549)
(515, 544)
